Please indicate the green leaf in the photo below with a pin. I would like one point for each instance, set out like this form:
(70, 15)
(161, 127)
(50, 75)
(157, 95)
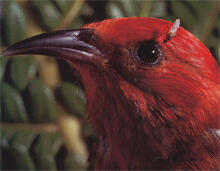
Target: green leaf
(3, 62)
(5, 141)
(158, 9)
(63, 5)
(114, 10)
(48, 14)
(73, 98)
(46, 149)
(122, 8)
(88, 131)
(14, 22)
(71, 163)
(207, 13)
(13, 108)
(128, 7)
(6, 137)
(17, 149)
(23, 71)
(188, 19)
(20, 150)
(42, 102)
(202, 9)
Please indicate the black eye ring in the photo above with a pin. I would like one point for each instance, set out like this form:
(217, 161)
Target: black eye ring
(148, 52)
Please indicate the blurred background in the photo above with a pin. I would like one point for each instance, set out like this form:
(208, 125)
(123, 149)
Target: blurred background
(44, 123)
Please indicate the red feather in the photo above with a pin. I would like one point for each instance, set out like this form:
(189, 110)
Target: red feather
(152, 97)
(159, 117)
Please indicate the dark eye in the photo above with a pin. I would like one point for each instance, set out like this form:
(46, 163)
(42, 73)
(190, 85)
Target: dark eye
(148, 52)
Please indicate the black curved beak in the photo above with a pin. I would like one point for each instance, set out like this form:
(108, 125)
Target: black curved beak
(71, 45)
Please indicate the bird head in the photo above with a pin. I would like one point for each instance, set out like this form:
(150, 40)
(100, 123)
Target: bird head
(139, 71)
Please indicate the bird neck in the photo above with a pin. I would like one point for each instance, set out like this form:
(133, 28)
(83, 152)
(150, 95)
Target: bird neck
(130, 120)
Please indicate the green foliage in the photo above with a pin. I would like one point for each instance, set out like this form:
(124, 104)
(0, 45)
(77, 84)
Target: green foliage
(27, 99)
(15, 146)
(47, 13)
(14, 22)
(22, 71)
(74, 102)
(12, 105)
(3, 62)
(45, 150)
(42, 102)
(19, 150)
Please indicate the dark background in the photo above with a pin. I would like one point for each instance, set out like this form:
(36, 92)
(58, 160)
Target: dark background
(44, 124)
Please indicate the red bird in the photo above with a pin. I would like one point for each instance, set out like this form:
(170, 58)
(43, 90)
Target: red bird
(152, 89)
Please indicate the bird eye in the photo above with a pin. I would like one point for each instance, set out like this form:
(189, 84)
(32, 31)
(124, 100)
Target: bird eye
(148, 52)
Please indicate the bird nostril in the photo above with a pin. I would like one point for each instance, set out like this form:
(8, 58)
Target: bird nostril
(86, 35)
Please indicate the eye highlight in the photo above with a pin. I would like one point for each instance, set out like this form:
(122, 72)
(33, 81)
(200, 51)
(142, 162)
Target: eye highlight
(148, 52)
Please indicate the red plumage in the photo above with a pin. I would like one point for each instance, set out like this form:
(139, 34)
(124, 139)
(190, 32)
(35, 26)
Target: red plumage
(162, 115)
(158, 117)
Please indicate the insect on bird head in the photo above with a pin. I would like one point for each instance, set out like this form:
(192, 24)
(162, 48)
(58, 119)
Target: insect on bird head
(152, 89)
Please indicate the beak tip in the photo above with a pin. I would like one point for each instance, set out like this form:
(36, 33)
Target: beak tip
(7, 52)
(10, 51)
